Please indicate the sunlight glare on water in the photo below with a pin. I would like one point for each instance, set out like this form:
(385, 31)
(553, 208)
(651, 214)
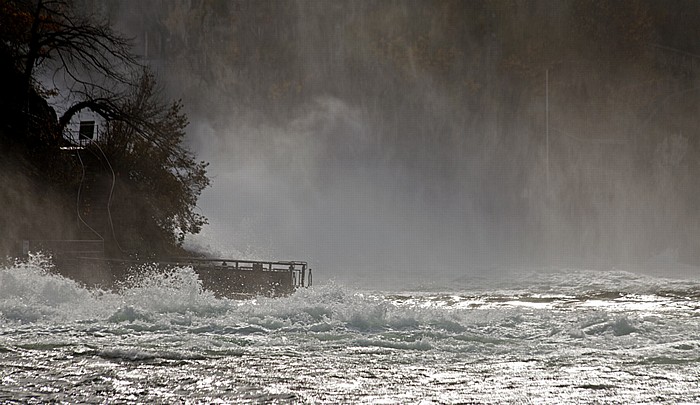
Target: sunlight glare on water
(164, 339)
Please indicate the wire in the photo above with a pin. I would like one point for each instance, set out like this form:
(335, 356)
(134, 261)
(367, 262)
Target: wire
(77, 204)
(111, 195)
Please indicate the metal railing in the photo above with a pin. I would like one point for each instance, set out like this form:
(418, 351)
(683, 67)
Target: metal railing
(300, 270)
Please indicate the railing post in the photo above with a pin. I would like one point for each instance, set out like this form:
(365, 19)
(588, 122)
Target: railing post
(25, 248)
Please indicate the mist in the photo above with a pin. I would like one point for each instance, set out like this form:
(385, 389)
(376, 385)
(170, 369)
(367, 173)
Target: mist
(405, 141)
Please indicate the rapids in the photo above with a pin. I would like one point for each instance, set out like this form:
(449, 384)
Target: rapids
(565, 336)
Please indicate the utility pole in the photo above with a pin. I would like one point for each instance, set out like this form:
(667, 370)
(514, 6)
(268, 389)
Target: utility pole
(546, 114)
(547, 219)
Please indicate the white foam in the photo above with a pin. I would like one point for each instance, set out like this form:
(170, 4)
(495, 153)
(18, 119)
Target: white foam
(30, 292)
(156, 301)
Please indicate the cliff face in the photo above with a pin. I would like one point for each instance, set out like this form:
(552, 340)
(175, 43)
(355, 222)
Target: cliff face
(451, 96)
(36, 179)
(571, 125)
(58, 54)
(31, 207)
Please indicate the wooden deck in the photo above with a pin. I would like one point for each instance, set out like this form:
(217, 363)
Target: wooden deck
(85, 262)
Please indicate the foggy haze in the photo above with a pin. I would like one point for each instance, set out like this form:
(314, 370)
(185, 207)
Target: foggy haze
(437, 138)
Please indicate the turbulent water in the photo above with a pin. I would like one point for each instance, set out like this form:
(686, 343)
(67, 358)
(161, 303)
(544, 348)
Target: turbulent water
(554, 337)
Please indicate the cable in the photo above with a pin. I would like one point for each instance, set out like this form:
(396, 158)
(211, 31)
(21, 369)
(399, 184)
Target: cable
(111, 195)
(77, 204)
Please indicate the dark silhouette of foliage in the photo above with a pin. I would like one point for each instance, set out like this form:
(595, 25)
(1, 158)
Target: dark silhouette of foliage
(89, 66)
(158, 183)
(82, 52)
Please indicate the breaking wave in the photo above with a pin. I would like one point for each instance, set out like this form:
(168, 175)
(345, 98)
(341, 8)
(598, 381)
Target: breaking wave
(32, 291)
(580, 283)
(580, 329)
(597, 304)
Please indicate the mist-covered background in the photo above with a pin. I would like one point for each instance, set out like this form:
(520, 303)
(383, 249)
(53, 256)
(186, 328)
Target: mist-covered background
(398, 138)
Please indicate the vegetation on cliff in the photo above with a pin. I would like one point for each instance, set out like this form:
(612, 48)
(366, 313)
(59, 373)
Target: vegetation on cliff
(55, 58)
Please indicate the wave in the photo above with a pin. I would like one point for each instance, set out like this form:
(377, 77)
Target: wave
(134, 354)
(577, 282)
(31, 291)
(553, 303)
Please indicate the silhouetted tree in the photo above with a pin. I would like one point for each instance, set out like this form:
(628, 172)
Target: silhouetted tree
(82, 53)
(158, 180)
(92, 67)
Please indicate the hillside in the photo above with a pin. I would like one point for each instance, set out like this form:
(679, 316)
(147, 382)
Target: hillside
(133, 184)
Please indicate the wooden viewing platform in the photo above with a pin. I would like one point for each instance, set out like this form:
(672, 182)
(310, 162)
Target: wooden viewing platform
(85, 262)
